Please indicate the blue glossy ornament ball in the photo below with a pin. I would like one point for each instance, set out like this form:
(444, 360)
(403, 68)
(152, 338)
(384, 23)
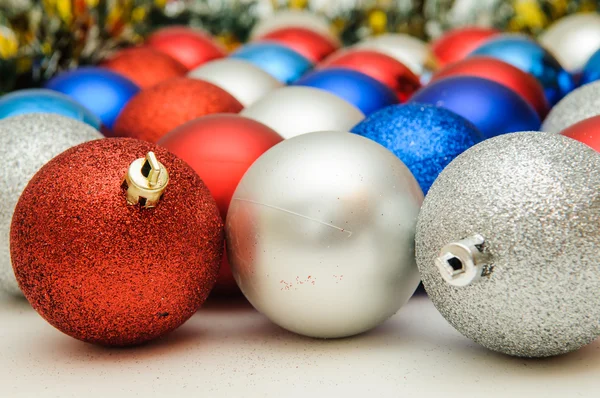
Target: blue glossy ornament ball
(591, 70)
(39, 100)
(284, 64)
(426, 138)
(362, 91)
(102, 91)
(527, 55)
(492, 107)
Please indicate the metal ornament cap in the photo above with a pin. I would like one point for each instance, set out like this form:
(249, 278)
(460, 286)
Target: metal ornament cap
(146, 180)
(462, 263)
(534, 197)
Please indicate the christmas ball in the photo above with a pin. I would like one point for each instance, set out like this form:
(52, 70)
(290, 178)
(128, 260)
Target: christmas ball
(100, 90)
(362, 91)
(573, 39)
(292, 111)
(124, 245)
(27, 142)
(293, 18)
(409, 50)
(581, 104)
(586, 131)
(379, 66)
(284, 64)
(493, 108)
(246, 82)
(220, 148)
(591, 69)
(501, 72)
(326, 217)
(507, 244)
(424, 137)
(306, 42)
(527, 55)
(455, 44)
(36, 100)
(191, 47)
(145, 66)
(157, 110)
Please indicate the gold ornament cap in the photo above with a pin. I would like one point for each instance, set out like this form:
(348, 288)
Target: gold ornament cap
(145, 181)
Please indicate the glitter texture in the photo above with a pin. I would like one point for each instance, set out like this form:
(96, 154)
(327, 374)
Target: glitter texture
(157, 110)
(106, 272)
(27, 142)
(424, 137)
(534, 198)
(581, 104)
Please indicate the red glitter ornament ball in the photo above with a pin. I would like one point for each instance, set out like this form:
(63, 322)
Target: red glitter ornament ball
(189, 46)
(145, 66)
(501, 72)
(456, 44)
(587, 131)
(221, 148)
(155, 111)
(312, 45)
(379, 66)
(102, 270)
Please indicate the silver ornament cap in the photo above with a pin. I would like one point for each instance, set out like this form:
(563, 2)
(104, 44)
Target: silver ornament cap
(27, 142)
(507, 244)
(320, 234)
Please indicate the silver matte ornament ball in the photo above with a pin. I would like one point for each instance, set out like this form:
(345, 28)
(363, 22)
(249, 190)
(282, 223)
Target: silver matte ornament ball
(320, 234)
(246, 82)
(578, 105)
(296, 110)
(27, 142)
(508, 240)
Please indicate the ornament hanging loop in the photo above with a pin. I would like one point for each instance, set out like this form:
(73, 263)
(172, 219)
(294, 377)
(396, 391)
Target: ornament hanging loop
(463, 262)
(145, 181)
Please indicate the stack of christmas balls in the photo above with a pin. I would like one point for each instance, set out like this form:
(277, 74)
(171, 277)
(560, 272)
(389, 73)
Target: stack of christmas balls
(323, 182)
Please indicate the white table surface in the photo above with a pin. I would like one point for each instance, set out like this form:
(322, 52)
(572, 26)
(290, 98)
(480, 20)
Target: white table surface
(229, 350)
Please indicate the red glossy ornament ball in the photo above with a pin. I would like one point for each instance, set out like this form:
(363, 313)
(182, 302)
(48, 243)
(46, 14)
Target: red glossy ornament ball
(501, 72)
(155, 111)
(587, 131)
(105, 271)
(379, 66)
(221, 148)
(312, 45)
(456, 44)
(189, 46)
(145, 66)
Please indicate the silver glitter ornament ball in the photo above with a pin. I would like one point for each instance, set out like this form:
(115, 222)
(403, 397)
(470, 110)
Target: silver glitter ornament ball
(578, 105)
(27, 142)
(320, 234)
(507, 244)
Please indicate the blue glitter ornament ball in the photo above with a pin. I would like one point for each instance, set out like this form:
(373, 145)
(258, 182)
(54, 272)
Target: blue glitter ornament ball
(493, 108)
(426, 138)
(102, 91)
(283, 64)
(527, 55)
(39, 100)
(362, 91)
(591, 70)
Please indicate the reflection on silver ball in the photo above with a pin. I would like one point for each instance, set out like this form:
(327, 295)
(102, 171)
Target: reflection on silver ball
(246, 82)
(292, 111)
(320, 234)
(412, 52)
(27, 142)
(573, 39)
(507, 244)
(579, 105)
